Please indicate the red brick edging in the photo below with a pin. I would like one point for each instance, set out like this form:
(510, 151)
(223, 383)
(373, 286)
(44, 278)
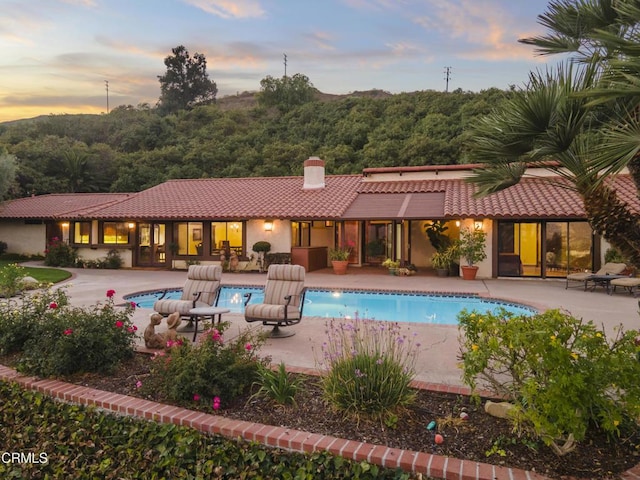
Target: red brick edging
(436, 466)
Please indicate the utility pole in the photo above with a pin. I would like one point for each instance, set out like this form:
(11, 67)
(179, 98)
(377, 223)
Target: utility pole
(106, 82)
(285, 64)
(447, 77)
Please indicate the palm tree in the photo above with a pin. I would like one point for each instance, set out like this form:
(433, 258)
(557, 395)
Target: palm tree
(573, 117)
(76, 168)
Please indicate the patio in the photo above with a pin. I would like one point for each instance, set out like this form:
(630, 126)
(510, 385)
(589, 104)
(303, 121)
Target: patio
(439, 343)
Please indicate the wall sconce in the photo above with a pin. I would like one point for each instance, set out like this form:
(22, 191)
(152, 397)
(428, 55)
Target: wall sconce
(268, 225)
(235, 227)
(477, 224)
(458, 223)
(131, 225)
(65, 224)
(328, 223)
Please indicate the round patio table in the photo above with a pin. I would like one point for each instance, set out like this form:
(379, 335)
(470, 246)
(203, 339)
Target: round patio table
(205, 312)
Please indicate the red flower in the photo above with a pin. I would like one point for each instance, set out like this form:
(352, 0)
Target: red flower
(248, 347)
(119, 324)
(53, 305)
(68, 331)
(196, 397)
(110, 293)
(133, 305)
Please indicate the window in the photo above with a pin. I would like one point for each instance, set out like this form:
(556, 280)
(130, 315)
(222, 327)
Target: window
(300, 234)
(82, 232)
(115, 233)
(227, 235)
(188, 235)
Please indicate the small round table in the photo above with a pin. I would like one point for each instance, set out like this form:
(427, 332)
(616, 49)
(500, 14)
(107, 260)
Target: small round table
(198, 312)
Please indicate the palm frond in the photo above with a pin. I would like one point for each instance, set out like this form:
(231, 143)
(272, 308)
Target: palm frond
(498, 177)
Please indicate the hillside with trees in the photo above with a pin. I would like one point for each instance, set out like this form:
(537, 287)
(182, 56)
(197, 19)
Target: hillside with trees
(133, 148)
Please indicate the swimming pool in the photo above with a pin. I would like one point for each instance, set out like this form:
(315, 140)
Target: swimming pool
(393, 306)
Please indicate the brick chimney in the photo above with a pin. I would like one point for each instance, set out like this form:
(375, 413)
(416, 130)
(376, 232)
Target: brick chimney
(313, 173)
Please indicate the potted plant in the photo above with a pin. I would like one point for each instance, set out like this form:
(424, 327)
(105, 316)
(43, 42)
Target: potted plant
(441, 261)
(471, 247)
(261, 248)
(339, 259)
(392, 265)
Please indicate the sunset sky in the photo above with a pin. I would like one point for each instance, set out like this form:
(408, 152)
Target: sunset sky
(57, 54)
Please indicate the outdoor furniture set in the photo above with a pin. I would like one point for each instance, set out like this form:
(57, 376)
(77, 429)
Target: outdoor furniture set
(610, 276)
(282, 306)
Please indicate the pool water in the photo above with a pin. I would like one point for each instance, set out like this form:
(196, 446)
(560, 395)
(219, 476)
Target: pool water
(392, 306)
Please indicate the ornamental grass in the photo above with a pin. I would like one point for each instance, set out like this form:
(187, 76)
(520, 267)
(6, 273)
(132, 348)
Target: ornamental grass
(367, 367)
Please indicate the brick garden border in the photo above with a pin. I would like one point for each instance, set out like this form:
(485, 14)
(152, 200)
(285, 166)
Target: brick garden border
(431, 465)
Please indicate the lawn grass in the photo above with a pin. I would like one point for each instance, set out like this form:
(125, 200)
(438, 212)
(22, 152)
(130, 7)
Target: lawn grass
(44, 274)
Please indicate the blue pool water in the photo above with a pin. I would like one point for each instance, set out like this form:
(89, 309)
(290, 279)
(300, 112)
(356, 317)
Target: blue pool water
(392, 306)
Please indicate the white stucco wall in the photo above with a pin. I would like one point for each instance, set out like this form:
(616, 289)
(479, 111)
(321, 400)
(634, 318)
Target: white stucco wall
(23, 239)
(279, 237)
(484, 267)
(87, 253)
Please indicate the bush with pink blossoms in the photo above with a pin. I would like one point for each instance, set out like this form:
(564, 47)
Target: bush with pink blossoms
(64, 339)
(213, 371)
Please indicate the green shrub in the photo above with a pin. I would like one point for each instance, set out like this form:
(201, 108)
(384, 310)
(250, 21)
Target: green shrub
(60, 254)
(19, 316)
(368, 366)
(70, 441)
(277, 385)
(11, 280)
(67, 339)
(209, 370)
(563, 374)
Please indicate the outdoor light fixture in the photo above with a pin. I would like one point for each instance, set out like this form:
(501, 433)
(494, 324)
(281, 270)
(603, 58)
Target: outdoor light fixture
(477, 224)
(268, 225)
(328, 223)
(131, 225)
(65, 224)
(458, 223)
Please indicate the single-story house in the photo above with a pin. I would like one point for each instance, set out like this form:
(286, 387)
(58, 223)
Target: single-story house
(536, 228)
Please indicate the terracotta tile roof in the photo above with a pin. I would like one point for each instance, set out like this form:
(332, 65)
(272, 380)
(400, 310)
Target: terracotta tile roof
(345, 196)
(58, 206)
(532, 197)
(236, 198)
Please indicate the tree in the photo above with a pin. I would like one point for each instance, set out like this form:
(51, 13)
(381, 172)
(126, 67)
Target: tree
(556, 118)
(7, 171)
(287, 92)
(186, 82)
(76, 168)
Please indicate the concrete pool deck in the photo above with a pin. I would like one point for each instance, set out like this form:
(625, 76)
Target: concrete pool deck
(436, 365)
(437, 360)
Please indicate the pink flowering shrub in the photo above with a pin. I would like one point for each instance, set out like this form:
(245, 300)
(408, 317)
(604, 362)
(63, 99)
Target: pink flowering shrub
(60, 254)
(213, 371)
(19, 316)
(368, 366)
(64, 339)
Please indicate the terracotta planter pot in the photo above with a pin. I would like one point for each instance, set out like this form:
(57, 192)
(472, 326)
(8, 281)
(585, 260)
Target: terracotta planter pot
(469, 272)
(340, 266)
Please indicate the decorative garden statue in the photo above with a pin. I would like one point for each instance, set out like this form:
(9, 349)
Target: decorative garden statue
(234, 261)
(173, 322)
(151, 338)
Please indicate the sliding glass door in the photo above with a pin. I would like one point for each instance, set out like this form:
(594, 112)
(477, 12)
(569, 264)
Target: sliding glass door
(543, 249)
